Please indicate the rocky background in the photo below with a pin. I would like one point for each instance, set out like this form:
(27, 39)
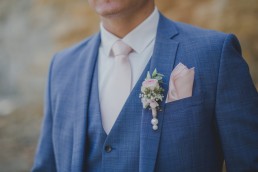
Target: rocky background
(31, 31)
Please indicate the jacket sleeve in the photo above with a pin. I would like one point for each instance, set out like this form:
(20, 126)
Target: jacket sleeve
(237, 110)
(45, 159)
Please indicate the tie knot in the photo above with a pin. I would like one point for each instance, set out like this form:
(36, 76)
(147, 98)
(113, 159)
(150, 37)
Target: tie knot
(120, 48)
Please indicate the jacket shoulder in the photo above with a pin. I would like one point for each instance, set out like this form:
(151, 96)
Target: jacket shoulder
(201, 40)
(66, 60)
(192, 32)
(75, 49)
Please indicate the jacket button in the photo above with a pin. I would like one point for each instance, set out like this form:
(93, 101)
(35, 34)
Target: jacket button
(108, 148)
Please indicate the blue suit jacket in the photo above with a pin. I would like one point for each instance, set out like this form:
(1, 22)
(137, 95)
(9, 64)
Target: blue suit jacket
(220, 120)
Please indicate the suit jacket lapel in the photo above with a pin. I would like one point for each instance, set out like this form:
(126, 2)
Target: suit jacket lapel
(86, 63)
(163, 60)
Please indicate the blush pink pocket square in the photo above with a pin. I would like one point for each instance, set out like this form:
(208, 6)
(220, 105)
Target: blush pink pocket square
(181, 83)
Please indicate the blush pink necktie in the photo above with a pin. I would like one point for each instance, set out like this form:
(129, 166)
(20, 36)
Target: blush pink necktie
(118, 86)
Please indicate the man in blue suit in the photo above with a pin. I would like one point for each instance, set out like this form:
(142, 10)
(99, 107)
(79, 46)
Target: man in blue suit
(91, 125)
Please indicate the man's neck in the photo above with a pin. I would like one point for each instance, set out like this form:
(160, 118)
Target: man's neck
(123, 24)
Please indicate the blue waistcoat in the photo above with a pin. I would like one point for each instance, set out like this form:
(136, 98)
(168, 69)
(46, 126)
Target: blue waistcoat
(118, 151)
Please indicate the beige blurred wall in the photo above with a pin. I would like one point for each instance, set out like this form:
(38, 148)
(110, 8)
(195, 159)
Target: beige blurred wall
(31, 31)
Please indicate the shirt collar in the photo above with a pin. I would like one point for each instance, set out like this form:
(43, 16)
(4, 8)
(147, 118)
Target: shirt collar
(147, 30)
(107, 40)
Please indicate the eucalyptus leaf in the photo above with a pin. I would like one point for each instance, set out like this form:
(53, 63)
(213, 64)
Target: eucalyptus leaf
(159, 74)
(154, 73)
(158, 77)
(148, 75)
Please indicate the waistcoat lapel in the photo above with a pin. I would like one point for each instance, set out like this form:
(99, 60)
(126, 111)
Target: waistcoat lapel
(163, 60)
(88, 59)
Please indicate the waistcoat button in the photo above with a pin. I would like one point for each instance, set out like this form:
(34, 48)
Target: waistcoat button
(108, 148)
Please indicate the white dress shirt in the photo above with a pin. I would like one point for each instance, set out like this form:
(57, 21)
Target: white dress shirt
(141, 40)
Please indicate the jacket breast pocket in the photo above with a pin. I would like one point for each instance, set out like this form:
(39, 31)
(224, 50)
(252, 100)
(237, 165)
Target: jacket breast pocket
(185, 112)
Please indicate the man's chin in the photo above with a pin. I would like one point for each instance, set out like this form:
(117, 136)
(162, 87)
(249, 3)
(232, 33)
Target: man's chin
(112, 15)
(109, 10)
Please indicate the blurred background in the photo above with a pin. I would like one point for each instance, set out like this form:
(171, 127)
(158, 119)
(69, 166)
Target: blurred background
(31, 31)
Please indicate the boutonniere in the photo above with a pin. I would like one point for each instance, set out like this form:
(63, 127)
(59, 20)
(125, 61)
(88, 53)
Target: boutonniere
(152, 95)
